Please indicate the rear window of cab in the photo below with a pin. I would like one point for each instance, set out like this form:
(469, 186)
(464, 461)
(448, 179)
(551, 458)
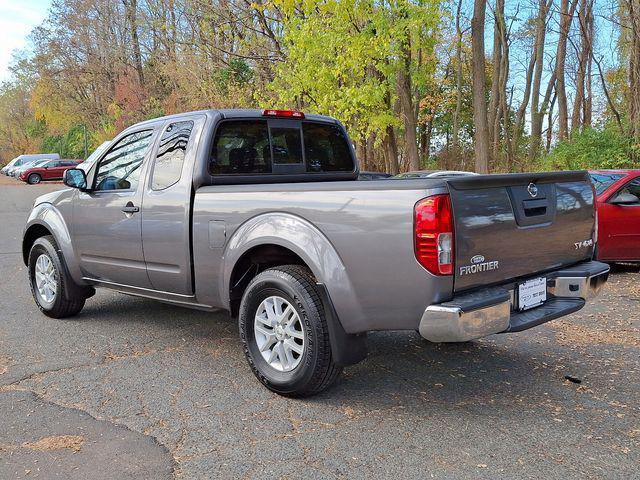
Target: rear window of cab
(246, 147)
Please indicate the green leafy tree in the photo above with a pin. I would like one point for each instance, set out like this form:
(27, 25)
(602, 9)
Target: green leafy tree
(344, 58)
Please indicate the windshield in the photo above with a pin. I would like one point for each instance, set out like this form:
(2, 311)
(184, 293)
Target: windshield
(602, 181)
(38, 163)
(91, 159)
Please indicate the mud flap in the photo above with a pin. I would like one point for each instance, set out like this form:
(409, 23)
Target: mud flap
(346, 348)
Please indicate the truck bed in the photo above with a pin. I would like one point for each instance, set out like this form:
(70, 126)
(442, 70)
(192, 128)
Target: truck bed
(376, 282)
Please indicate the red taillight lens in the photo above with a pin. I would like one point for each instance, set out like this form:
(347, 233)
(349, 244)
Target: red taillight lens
(434, 240)
(282, 113)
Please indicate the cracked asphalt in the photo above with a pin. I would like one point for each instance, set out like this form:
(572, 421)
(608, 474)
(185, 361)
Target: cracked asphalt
(131, 388)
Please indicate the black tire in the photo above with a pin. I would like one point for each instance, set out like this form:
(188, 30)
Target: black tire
(34, 179)
(316, 370)
(65, 303)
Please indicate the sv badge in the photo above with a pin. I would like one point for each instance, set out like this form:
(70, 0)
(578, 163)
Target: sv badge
(583, 244)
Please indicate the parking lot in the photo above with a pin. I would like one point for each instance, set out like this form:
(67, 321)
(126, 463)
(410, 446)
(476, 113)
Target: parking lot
(136, 389)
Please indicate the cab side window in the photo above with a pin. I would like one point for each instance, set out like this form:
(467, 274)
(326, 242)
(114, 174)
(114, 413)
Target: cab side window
(241, 147)
(171, 152)
(120, 168)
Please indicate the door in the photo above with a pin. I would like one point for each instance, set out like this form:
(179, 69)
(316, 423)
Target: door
(619, 226)
(54, 169)
(107, 222)
(166, 217)
(49, 170)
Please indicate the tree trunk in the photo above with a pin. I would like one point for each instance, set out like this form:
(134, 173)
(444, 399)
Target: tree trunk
(481, 134)
(536, 114)
(584, 57)
(493, 115)
(361, 155)
(588, 56)
(370, 153)
(131, 7)
(550, 125)
(566, 14)
(505, 105)
(633, 7)
(522, 109)
(456, 114)
(391, 151)
(502, 113)
(405, 96)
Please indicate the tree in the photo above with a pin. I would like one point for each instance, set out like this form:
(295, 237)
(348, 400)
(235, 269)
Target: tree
(481, 135)
(537, 114)
(566, 15)
(356, 61)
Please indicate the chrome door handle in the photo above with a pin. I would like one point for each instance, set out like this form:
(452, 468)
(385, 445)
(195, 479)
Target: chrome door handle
(130, 208)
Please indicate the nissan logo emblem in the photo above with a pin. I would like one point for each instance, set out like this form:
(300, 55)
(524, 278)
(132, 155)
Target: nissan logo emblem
(477, 259)
(532, 189)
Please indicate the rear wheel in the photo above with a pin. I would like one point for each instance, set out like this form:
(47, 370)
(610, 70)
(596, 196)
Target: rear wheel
(50, 281)
(34, 178)
(284, 332)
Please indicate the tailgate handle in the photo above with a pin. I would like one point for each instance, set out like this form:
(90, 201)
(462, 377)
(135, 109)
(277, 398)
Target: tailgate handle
(535, 208)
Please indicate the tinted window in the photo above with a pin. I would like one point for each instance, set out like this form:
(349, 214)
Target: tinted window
(633, 187)
(603, 181)
(120, 168)
(287, 145)
(326, 148)
(170, 157)
(241, 147)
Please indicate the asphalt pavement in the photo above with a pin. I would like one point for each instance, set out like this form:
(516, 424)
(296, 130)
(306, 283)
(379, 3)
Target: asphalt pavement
(131, 388)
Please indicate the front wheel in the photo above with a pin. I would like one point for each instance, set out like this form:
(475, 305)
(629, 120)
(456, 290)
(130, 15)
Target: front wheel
(34, 179)
(284, 332)
(50, 281)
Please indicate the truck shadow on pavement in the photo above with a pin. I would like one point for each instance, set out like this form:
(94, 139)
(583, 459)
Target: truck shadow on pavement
(401, 368)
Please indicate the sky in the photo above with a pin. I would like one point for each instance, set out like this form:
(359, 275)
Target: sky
(17, 18)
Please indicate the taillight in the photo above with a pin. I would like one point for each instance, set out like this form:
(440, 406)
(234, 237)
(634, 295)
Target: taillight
(434, 240)
(282, 113)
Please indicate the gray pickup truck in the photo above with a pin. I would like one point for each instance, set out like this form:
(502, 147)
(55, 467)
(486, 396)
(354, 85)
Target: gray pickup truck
(261, 213)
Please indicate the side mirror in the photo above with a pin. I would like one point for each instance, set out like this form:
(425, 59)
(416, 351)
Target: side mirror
(75, 178)
(625, 198)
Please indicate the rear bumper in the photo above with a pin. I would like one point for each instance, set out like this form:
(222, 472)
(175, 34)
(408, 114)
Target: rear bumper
(484, 312)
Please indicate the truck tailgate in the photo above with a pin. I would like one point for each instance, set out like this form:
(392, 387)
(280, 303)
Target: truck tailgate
(510, 226)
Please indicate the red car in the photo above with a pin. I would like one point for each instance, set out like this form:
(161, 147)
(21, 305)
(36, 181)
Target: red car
(51, 170)
(618, 201)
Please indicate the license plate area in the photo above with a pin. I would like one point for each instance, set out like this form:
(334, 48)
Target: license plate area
(532, 293)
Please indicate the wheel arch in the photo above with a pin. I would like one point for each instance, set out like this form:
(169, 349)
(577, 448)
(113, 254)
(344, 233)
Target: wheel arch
(31, 234)
(44, 220)
(288, 239)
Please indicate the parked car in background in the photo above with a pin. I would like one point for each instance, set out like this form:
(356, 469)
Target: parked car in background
(24, 159)
(51, 170)
(373, 176)
(260, 213)
(16, 171)
(618, 203)
(432, 174)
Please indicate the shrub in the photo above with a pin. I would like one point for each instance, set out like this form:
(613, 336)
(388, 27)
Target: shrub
(592, 149)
